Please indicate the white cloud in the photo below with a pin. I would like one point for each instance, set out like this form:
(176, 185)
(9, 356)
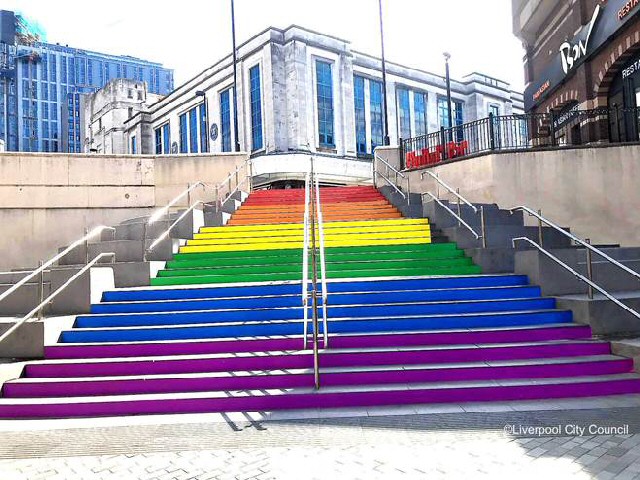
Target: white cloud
(192, 34)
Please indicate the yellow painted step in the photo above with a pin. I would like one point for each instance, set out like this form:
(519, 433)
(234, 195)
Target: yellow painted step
(287, 226)
(235, 247)
(300, 231)
(300, 238)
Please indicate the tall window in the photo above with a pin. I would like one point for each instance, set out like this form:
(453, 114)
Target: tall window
(361, 121)
(166, 139)
(202, 114)
(443, 112)
(404, 113)
(193, 130)
(256, 108)
(375, 100)
(420, 111)
(184, 145)
(225, 121)
(324, 84)
(158, 142)
(494, 109)
(134, 145)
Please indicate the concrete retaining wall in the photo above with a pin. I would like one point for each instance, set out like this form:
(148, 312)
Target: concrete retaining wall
(595, 191)
(46, 200)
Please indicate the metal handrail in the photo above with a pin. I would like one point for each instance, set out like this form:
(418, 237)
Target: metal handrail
(165, 234)
(54, 259)
(459, 218)
(450, 189)
(577, 274)
(575, 239)
(397, 173)
(305, 261)
(323, 267)
(47, 300)
(314, 287)
(163, 210)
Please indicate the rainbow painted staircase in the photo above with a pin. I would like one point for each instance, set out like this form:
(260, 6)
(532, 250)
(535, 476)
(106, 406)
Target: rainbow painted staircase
(410, 321)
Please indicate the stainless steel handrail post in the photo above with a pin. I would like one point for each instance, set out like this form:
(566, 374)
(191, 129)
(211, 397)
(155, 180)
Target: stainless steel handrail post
(483, 227)
(53, 295)
(577, 274)
(540, 239)
(314, 291)
(589, 269)
(41, 288)
(305, 262)
(323, 267)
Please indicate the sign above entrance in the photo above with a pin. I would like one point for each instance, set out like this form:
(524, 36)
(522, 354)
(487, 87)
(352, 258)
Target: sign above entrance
(607, 18)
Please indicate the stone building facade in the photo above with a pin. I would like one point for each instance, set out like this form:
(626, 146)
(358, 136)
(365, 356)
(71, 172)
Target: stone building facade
(302, 91)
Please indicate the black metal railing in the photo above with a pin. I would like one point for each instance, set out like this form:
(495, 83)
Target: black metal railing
(526, 131)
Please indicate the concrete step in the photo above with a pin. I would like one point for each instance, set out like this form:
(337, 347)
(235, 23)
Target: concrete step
(493, 216)
(501, 236)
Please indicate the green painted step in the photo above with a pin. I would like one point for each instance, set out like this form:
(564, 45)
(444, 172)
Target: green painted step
(296, 252)
(297, 267)
(271, 277)
(333, 257)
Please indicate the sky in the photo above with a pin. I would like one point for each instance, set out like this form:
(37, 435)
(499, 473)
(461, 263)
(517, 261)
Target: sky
(190, 35)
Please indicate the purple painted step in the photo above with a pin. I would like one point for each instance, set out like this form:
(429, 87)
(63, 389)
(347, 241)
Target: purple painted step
(311, 399)
(288, 381)
(329, 358)
(70, 351)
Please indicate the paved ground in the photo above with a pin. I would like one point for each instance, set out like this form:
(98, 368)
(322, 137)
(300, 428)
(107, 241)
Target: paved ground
(380, 444)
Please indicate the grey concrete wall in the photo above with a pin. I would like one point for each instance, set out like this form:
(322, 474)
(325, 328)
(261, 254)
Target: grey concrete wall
(46, 200)
(592, 190)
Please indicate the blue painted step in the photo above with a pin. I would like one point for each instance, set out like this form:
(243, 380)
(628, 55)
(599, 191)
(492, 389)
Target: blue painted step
(294, 300)
(353, 311)
(386, 324)
(333, 286)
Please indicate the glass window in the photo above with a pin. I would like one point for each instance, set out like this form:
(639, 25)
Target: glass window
(420, 111)
(404, 113)
(361, 121)
(324, 84)
(184, 146)
(256, 109)
(375, 100)
(202, 114)
(193, 130)
(494, 109)
(158, 138)
(225, 121)
(134, 145)
(166, 139)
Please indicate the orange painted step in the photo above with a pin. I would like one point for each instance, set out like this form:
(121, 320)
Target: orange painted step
(299, 218)
(297, 206)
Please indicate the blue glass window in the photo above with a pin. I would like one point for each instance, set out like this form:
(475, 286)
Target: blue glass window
(361, 121)
(184, 146)
(158, 137)
(193, 130)
(256, 108)
(324, 83)
(376, 100)
(202, 114)
(225, 121)
(134, 145)
(420, 111)
(404, 114)
(166, 139)
(443, 112)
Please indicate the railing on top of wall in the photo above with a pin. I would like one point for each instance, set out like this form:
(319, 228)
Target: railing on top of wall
(522, 132)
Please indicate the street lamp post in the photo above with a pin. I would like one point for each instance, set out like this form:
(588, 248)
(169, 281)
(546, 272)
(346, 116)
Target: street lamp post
(235, 79)
(386, 140)
(447, 56)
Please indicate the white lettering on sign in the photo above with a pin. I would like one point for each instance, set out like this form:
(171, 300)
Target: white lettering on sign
(631, 69)
(569, 53)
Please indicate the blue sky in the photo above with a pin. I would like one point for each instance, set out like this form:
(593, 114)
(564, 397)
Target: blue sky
(192, 34)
